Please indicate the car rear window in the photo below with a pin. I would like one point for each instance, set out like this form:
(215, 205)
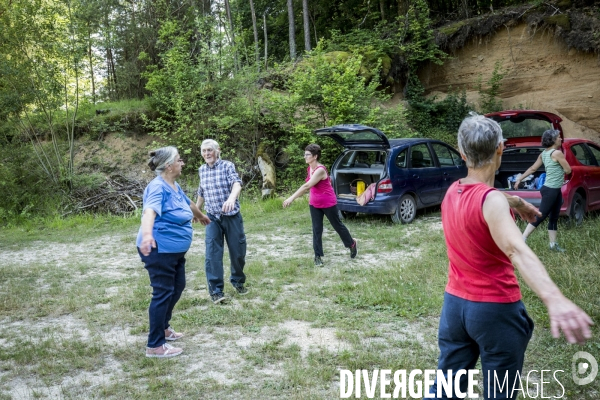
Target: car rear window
(362, 159)
(525, 128)
(359, 137)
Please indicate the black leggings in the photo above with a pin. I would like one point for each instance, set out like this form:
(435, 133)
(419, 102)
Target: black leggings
(550, 207)
(332, 214)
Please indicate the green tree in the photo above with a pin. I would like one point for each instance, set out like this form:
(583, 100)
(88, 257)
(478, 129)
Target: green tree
(42, 51)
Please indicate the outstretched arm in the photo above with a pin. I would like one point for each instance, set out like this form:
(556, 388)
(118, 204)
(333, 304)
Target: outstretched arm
(316, 177)
(527, 211)
(564, 315)
(198, 215)
(536, 165)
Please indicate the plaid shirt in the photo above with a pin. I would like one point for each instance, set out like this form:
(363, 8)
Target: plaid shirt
(215, 187)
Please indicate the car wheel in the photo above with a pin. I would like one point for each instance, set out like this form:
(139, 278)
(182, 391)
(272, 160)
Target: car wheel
(577, 210)
(406, 211)
(349, 214)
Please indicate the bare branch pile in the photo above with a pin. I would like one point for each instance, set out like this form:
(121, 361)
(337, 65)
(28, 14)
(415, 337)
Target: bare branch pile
(116, 195)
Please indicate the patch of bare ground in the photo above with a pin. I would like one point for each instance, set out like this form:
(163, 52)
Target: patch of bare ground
(80, 385)
(422, 331)
(336, 255)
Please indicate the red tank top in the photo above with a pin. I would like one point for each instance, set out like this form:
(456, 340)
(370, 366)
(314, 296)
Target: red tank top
(322, 194)
(478, 270)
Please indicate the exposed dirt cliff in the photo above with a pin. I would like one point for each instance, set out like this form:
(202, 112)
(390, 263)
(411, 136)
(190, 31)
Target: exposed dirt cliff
(542, 72)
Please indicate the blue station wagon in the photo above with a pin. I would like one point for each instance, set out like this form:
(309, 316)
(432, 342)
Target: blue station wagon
(409, 173)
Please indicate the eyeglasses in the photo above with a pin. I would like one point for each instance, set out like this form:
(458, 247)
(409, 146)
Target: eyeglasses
(205, 151)
(308, 155)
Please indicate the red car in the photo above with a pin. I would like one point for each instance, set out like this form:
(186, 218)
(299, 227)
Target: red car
(523, 130)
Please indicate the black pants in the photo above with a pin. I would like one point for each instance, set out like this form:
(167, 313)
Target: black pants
(332, 214)
(550, 207)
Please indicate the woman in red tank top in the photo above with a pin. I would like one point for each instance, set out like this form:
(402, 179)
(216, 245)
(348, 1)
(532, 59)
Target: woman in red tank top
(483, 315)
(322, 202)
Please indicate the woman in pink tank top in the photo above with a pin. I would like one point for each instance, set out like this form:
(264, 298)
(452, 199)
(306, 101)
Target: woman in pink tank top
(322, 202)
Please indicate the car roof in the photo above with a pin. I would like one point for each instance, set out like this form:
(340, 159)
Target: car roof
(408, 141)
(578, 140)
(551, 117)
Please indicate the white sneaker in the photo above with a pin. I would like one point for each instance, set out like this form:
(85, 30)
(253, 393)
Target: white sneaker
(164, 351)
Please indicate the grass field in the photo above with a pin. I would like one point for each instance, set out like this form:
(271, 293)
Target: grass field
(74, 299)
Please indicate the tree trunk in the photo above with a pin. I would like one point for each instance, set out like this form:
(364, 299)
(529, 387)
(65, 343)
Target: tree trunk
(235, 54)
(266, 40)
(255, 29)
(267, 171)
(112, 75)
(89, 40)
(305, 18)
(465, 9)
(382, 9)
(292, 29)
(314, 29)
(402, 7)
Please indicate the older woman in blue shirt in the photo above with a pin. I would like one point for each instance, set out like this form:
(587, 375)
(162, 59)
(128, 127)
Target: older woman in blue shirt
(163, 239)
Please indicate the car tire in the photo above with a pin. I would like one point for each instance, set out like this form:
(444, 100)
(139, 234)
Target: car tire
(577, 210)
(406, 210)
(349, 214)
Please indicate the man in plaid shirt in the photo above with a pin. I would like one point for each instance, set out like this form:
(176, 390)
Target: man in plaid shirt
(219, 189)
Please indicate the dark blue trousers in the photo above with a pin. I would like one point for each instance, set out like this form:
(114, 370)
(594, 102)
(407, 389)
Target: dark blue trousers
(230, 229)
(496, 332)
(167, 278)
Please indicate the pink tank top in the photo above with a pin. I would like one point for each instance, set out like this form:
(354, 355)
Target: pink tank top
(322, 194)
(478, 270)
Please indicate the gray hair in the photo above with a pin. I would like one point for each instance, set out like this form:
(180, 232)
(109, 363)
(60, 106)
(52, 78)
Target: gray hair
(211, 143)
(161, 158)
(549, 137)
(478, 139)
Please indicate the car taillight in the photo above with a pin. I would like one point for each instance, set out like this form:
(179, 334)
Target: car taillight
(385, 186)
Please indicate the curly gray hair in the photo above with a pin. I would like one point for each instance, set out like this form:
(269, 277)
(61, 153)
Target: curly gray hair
(549, 137)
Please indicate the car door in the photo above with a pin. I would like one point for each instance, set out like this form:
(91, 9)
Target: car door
(592, 176)
(424, 174)
(451, 165)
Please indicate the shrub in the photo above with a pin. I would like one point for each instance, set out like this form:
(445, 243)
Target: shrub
(24, 187)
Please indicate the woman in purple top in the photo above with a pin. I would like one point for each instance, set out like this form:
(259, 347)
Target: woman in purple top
(323, 202)
(163, 239)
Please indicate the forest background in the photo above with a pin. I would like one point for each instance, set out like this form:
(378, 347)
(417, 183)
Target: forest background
(258, 76)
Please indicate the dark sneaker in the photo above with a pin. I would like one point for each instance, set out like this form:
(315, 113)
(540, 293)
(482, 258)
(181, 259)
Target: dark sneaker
(218, 298)
(242, 290)
(557, 248)
(353, 250)
(318, 262)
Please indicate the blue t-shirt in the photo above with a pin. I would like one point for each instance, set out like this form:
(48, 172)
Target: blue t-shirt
(172, 229)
